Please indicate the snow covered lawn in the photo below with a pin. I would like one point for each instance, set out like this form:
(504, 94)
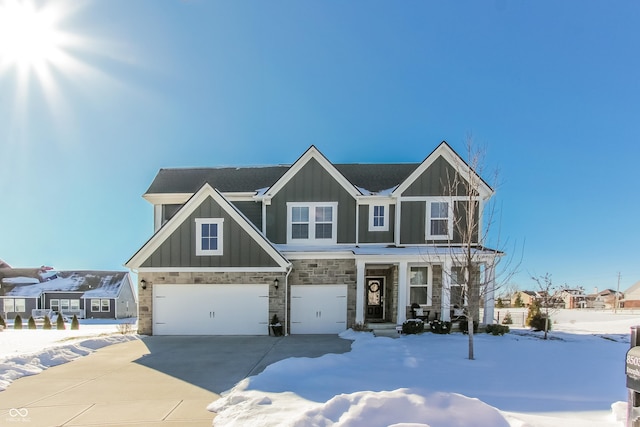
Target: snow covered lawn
(28, 352)
(517, 380)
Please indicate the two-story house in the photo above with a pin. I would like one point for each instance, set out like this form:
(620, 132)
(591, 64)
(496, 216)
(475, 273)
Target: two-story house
(324, 246)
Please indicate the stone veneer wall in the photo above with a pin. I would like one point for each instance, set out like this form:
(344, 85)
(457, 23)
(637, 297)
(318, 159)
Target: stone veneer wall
(145, 302)
(328, 272)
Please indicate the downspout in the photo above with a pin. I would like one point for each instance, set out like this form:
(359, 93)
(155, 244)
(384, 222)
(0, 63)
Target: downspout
(286, 300)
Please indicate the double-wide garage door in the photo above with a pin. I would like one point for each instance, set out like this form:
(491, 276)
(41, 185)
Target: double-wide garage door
(318, 309)
(211, 309)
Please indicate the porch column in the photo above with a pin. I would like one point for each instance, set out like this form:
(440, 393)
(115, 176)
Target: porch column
(445, 299)
(489, 298)
(360, 271)
(402, 293)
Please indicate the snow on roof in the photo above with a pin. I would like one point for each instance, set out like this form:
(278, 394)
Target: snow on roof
(21, 280)
(93, 284)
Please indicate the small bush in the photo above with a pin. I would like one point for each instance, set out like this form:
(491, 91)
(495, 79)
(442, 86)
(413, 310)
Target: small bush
(75, 325)
(47, 323)
(17, 322)
(60, 323)
(32, 323)
(507, 319)
(413, 326)
(2, 322)
(440, 327)
(496, 329)
(537, 322)
(464, 326)
(360, 327)
(124, 328)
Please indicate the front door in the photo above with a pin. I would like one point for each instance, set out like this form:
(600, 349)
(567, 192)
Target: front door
(375, 298)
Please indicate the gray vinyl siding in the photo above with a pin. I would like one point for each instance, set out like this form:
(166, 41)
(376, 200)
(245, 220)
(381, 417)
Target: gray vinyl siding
(435, 181)
(312, 184)
(412, 223)
(239, 248)
(252, 210)
(111, 314)
(366, 236)
(29, 304)
(126, 304)
(460, 213)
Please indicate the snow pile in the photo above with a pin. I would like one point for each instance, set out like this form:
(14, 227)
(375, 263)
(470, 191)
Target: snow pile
(517, 380)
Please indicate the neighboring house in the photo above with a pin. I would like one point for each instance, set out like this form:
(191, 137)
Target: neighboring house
(573, 298)
(632, 296)
(527, 297)
(606, 299)
(87, 294)
(324, 246)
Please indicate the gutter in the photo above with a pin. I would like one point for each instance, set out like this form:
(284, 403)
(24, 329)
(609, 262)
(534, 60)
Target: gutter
(286, 300)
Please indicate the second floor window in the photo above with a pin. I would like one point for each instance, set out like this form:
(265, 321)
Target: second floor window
(378, 215)
(209, 236)
(440, 220)
(310, 223)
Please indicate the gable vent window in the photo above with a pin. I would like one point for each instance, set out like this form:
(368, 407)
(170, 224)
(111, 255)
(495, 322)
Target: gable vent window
(209, 236)
(311, 223)
(378, 215)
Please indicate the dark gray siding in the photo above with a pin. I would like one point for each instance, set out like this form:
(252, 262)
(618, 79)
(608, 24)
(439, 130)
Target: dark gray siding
(412, 222)
(435, 181)
(29, 304)
(366, 236)
(460, 224)
(312, 184)
(252, 210)
(239, 249)
(111, 314)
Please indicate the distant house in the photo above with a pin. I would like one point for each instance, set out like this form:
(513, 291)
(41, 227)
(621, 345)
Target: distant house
(527, 297)
(573, 298)
(606, 299)
(87, 294)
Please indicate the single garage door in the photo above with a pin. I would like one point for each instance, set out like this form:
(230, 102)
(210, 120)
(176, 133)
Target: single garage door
(318, 309)
(210, 309)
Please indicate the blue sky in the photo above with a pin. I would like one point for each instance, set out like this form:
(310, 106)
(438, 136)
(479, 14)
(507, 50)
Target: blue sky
(550, 89)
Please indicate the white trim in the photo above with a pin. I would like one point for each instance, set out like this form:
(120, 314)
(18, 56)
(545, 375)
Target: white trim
(318, 255)
(183, 214)
(445, 197)
(385, 217)
(157, 217)
(312, 239)
(454, 160)
(449, 218)
(428, 284)
(219, 236)
(212, 269)
(312, 153)
(167, 198)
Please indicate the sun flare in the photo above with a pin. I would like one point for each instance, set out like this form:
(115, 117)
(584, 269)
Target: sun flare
(28, 36)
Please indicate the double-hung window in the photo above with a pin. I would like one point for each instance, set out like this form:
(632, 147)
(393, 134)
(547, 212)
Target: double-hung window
(458, 287)
(311, 223)
(439, 220)
(54, 305)
(15, 305)
(209, 236)
(420, 285)
(378, 217)
(105, 305)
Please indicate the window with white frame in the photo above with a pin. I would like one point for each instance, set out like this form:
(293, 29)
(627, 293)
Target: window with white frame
(419, 285)
(54, 305)
(309, 223)
(8, 306)
(458, 287)
(209, 236)
(15, 305)
(378, 217)
(64, 304)
(74, 304)
(95, 305)
(439, 220)
(105, 305)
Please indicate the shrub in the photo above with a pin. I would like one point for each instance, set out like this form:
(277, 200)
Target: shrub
(2, 322)
(464, 326)
(124, 328)
(360, 327)
(17, 322)
(496, 329)
(32, 323)
(60, 323)
(413, 326)
(499, 303)
(75, 325)
(276, 326)
(537, 322)
(534, 310)
(440, 327)
(507, 319)
(47, 323)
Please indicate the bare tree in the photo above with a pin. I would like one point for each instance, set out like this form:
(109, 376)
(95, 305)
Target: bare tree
(474, 263)
(548, 297)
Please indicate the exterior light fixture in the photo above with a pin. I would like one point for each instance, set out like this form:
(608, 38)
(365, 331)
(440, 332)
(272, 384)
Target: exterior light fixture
(143, 284)
(276, 283)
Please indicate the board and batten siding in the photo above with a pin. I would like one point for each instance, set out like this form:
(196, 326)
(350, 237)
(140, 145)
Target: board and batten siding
(366, 236)
(239, 248)
(435, 181)
(252, 210)
(312, 184)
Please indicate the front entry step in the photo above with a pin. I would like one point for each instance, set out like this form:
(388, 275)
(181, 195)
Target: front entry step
(387, 329)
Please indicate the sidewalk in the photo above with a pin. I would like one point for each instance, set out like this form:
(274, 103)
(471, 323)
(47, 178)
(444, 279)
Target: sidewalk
(105, 389)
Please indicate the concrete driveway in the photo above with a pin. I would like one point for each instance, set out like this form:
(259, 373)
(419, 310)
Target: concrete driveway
(154, 381)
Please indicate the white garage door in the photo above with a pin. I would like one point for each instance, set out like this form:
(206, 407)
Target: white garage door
(210, 309)
(318, 309)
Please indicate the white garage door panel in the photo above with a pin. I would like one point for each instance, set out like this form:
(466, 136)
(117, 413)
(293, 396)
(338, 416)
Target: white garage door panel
(318, 309)
(210, 309)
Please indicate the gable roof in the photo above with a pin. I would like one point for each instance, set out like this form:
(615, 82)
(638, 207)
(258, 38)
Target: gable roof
(459, 164)
(185, 211)
(95, 284)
